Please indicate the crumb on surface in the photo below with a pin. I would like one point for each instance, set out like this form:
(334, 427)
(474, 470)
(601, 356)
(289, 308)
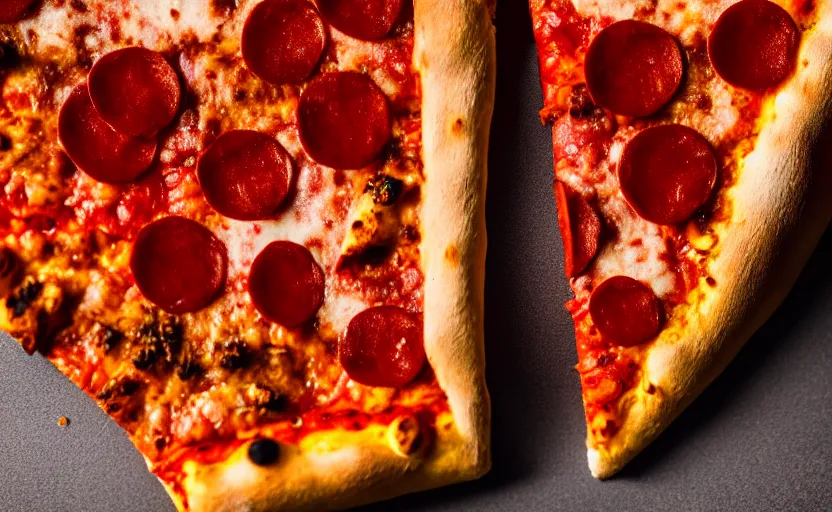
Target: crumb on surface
(63, 421)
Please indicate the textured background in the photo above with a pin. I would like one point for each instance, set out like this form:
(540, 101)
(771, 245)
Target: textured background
(757, 439)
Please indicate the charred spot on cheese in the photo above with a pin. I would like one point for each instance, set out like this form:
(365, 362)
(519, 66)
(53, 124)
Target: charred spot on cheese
(223, 8)
(411, 233)
(39, 310)
(580, 102)
(26, 294)
(188, 368)
(83, 56)
(234, 354)
(267, 399)
(263, 452)
(385, 189)
(147, 354)
(376, 254)
(9, 55)
(78, 5)
(170, 333)
(119, 388)
(10, 270)
(109, 338)
(277, 403)
(159, 337)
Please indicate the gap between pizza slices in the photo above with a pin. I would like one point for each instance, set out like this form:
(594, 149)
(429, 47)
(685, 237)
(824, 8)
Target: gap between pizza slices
(254, 233)
(689, 173)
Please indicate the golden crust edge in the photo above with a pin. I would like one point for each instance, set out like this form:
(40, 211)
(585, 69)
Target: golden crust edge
(779, 214)
(455, 54)
(328, 470)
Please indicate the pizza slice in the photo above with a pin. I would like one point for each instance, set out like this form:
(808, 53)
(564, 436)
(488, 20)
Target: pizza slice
(686, 137)
(254, 233)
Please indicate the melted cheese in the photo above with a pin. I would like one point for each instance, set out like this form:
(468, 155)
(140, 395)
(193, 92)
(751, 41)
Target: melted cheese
(222, 95)
(154, 24)
(639, 248)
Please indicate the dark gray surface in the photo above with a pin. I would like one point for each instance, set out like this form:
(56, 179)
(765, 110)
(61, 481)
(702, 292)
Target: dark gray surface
(757, 439)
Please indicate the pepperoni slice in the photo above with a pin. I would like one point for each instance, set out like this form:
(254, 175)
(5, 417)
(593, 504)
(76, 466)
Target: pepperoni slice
(245, 174)
(625, 311)
(362, 19)
(383, 346)
(135, 90)
(283, 40)
(98, 150)
(667, 172)
(754, 45)
(286, 284)
(343, 120)
(580, 229)
(14, 10)
(178, 264)
(633, 68)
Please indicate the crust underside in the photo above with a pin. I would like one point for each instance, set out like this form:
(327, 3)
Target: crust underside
(455, 56)
(779, 214)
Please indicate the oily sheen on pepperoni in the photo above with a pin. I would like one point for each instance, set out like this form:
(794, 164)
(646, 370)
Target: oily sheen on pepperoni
(245, 174)
(667, 172)
(134, 90)
(178, 264)
(633, 68)
(754, 44)
(283, 40)
(94, 147)
(343, 120)
(383, 346)
(625, 311)
(362, 19)
(14, 10)
(580, 229)
(285, 283)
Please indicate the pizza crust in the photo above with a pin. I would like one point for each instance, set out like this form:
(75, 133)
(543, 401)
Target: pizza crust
(779, 213)
(455, 55)
(327, 471)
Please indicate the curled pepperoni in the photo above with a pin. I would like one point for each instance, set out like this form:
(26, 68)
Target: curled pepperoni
(580, 229)
(754, 44)
(667, 172)
(14, 10)
(625, 311)
(343, 120)
(383, 346)
(135, 90)
(633, 68)
(245, 174)
(98, 150)
(362, 19)
(286, 284)
(283, 40)
(178, 264)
